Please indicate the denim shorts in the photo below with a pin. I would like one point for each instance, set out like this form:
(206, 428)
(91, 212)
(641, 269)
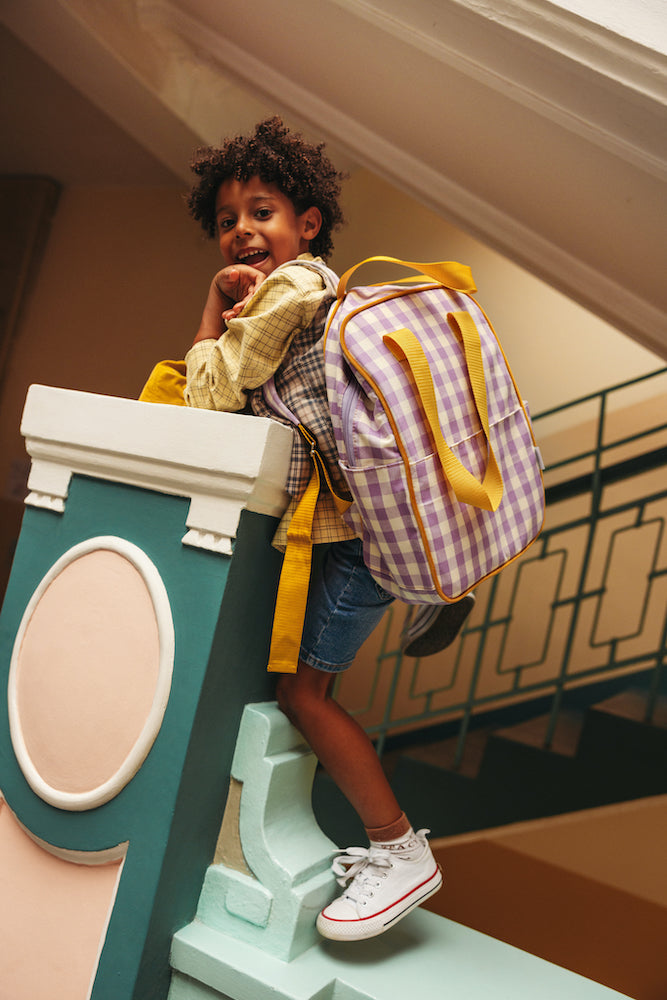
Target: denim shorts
(344, 606)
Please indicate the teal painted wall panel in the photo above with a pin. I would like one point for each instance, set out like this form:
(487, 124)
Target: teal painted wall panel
(171, 810)
(195, 582)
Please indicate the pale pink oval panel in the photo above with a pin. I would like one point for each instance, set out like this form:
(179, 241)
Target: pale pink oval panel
(91, 673)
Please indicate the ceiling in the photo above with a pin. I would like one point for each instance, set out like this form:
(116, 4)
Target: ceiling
(538, 131)
(50, 128)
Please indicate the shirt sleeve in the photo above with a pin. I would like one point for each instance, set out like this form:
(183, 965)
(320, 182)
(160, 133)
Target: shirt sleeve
(220, 373)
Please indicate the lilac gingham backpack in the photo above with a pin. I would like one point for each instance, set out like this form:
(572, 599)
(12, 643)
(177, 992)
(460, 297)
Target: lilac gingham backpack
(433, 437)
(433, 440)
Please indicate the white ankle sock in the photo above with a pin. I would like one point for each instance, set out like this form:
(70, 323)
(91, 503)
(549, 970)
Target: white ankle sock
(406, 846)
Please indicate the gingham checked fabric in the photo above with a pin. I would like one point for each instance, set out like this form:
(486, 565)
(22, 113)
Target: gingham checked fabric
(420, 543)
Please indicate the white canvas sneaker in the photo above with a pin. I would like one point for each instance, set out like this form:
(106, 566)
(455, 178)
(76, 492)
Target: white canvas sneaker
(385, 883)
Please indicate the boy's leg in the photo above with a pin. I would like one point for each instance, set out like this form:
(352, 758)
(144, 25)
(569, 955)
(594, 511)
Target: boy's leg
(398, 871)
(340, 745)
(384, 882)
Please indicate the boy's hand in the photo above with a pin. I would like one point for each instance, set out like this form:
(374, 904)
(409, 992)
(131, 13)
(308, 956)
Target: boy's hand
(230, 290)
(238, 283)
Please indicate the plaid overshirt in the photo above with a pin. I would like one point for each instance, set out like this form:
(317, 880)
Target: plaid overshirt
(278, 333)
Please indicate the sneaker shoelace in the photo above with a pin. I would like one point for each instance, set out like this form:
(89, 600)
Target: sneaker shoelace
(363, 866)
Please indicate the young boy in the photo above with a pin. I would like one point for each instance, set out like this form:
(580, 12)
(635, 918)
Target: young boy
(270, 198)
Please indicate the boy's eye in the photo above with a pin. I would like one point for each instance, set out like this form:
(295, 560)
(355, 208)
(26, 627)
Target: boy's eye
(225, 224)
(263, 213)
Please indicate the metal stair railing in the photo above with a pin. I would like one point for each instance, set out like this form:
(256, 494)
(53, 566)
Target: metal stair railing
(585, 603)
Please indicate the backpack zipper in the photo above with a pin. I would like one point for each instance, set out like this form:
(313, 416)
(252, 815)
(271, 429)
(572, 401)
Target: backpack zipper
(353, 392)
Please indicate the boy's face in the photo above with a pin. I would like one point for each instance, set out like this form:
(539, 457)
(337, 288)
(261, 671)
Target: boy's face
(257, 225)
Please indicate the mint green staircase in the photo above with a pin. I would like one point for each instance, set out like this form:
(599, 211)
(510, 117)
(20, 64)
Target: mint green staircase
(248, 924)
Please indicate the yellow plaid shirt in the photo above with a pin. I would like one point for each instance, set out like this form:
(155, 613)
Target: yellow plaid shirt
(221, 373)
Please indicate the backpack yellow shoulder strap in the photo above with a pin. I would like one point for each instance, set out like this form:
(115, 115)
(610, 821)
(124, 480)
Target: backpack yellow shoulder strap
(290, 610)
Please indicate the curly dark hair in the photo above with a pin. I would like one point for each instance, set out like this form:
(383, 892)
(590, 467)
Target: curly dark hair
(299, 170)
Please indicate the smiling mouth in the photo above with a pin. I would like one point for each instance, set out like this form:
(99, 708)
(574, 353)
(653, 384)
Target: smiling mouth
(252, 257)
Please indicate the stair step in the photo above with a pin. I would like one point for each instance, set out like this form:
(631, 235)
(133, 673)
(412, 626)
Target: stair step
(533, 732)
(632, 705)
(593, 929)
(599, 755)
(442, 753)
(423, 956)
(624, 756)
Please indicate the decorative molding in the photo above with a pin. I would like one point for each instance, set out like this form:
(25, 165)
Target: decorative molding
(502, 44)
(608, 89)
(604, 96)
(90, 799)
(89, 858)
(93, 65)
(279, 875)
(224, 462)
(535, 129)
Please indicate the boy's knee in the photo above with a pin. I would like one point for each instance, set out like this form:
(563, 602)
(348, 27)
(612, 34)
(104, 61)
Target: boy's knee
(283, 694)
(298, 694)
(290, 698)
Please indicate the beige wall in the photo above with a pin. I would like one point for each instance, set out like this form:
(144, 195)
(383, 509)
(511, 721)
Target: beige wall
(125, 273)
